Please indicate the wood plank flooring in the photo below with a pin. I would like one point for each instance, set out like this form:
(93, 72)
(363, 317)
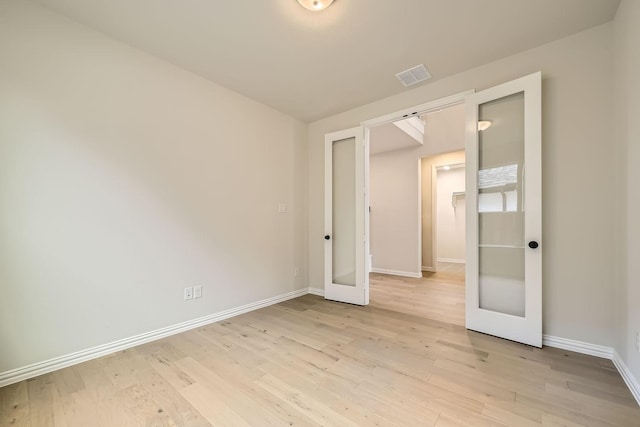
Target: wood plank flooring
(405, 360)
(437, 296)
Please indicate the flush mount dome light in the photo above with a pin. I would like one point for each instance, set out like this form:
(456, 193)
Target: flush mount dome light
(484, 124)
(315, 5)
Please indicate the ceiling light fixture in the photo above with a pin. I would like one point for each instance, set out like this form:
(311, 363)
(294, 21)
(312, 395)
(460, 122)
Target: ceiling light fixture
(484, 124)
(315, 5)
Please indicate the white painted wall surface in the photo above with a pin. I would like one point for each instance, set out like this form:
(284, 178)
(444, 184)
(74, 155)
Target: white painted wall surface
(627, 133)
(578, 237)
(124, 179)
(393, 197)
(450, 231)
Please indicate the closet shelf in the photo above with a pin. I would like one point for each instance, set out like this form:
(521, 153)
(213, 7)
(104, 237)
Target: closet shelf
(454, 197)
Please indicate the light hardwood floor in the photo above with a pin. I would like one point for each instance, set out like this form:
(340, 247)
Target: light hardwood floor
(437, 296)
(402, 361)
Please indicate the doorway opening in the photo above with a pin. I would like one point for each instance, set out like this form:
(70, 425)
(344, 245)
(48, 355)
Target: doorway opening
(415, 167)
(503, 249)
(443, 213)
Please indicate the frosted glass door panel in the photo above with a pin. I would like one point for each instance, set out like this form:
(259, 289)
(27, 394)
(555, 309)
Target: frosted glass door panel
(501, 206)
(345, 224)
(503, 292)
(344, 212)
(502, 280)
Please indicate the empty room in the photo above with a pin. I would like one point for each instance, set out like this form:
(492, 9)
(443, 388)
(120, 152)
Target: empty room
(199, 227)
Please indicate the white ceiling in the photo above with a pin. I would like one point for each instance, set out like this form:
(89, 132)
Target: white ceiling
(389, 137)
(314, 64)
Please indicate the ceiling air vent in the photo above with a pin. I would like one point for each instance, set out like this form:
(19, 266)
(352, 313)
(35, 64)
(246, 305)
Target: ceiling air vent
(414, 75)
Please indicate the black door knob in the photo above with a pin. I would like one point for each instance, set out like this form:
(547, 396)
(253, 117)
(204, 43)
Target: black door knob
(327, 237)
(533, 244)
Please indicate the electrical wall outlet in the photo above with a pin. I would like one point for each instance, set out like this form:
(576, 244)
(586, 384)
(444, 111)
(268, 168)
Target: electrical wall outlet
(638, 341)
(296, 272)
(188, 293)
(197, 291)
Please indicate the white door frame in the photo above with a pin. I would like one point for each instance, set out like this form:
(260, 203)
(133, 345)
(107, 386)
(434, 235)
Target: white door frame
(418, 110)
(434, 206)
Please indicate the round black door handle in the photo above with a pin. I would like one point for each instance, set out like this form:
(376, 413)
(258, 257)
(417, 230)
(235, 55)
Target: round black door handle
(533, 244)
(327, 237)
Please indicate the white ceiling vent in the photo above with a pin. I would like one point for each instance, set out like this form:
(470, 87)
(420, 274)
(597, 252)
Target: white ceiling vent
(414, 75)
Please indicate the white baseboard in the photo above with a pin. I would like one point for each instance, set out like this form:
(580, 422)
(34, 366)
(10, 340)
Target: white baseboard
(316, 291)
(452, 260)
(598, 351)
(431, 269)
(33, 370)
(578, 346)
(627, 376)
(397, 273)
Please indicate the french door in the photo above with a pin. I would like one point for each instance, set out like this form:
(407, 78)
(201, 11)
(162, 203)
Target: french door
(503, 211)
(345, 247)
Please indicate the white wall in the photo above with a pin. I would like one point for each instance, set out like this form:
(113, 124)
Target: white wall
(578, 241)
(124, 179)
(393, 230)
(450, 224)
(395, 193)
(627, 126)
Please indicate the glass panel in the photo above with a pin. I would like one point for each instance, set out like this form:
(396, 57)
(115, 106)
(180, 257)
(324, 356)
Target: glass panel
(344, 212)
(501, 206)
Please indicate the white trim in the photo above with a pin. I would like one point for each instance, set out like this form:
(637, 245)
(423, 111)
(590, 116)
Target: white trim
(434, 214)
(419, 259)
(316, 291)
(452, 260)
(397, 273)
(627, 376)
(598, 351)
(427, 107)
(40, 368)
(431, 269)
(578, 346)
(33, 370)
